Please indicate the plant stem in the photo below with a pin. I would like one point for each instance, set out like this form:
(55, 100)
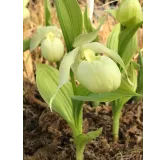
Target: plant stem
(79, 152)
(116, 118)
(95, 104)
(117, 107)
(73, 81)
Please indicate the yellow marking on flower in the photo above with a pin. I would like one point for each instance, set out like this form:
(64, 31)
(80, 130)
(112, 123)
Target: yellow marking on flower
(89, 55)
(51, 36)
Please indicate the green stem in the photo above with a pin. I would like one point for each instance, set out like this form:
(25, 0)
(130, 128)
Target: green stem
(116, 118)
(117, 108)
(95, 104)
(79, 152)
(73, 81)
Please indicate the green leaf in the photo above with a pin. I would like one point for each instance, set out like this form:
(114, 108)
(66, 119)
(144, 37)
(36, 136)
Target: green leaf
(133, 78)
(140, 75)
(88, 37)
(112, 12)
(64, 72)
(125, 37)
(82, 139)
(78, 106)
(87, 23)
(41, 34)
(80, 90)
(136, 65)
(71, 21)
(123, 91)
(47, 82)
(99, 48)
(130, 50)
(47, 12)
(26, 44)
(113, 38)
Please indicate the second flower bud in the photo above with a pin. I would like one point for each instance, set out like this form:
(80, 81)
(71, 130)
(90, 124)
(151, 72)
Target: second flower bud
(52, 48)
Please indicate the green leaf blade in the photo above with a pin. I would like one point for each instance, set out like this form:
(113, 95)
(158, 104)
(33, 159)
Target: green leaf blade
(130, 50)
(26, 44)
(140, 76)
(71, 21)
(123, 91)
(125, 36)
(133, 79)
(113, 38)
(47, 83)
(47, 12)
(82, 139)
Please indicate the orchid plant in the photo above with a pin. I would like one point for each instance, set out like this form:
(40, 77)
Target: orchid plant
(89, 71)
(123, 40)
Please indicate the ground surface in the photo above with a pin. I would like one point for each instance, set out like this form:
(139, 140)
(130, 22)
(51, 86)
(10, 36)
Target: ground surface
(47, 136)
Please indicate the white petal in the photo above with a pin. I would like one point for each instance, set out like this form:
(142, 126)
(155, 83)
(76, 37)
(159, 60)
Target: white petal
(99, 48)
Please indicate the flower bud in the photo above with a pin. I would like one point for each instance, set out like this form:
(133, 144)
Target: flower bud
(26, 13)
(98, 74)
(129, 12)
(52, 48)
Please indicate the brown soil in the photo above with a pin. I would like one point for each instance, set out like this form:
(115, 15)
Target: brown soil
(48, 137)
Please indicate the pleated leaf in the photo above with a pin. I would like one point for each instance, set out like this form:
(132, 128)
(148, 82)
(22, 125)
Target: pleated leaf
(113, 38)
(140, 75)
(133, 79)
(71, 20)
(130, 50)
(47, 79)
(83, 139)
(47, 12)
(124, 90)
(125, 37)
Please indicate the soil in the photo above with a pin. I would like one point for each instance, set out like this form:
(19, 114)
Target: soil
(48, 137)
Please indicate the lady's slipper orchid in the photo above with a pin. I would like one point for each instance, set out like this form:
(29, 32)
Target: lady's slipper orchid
(98, 73)
(129, 13)
(52, 47)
